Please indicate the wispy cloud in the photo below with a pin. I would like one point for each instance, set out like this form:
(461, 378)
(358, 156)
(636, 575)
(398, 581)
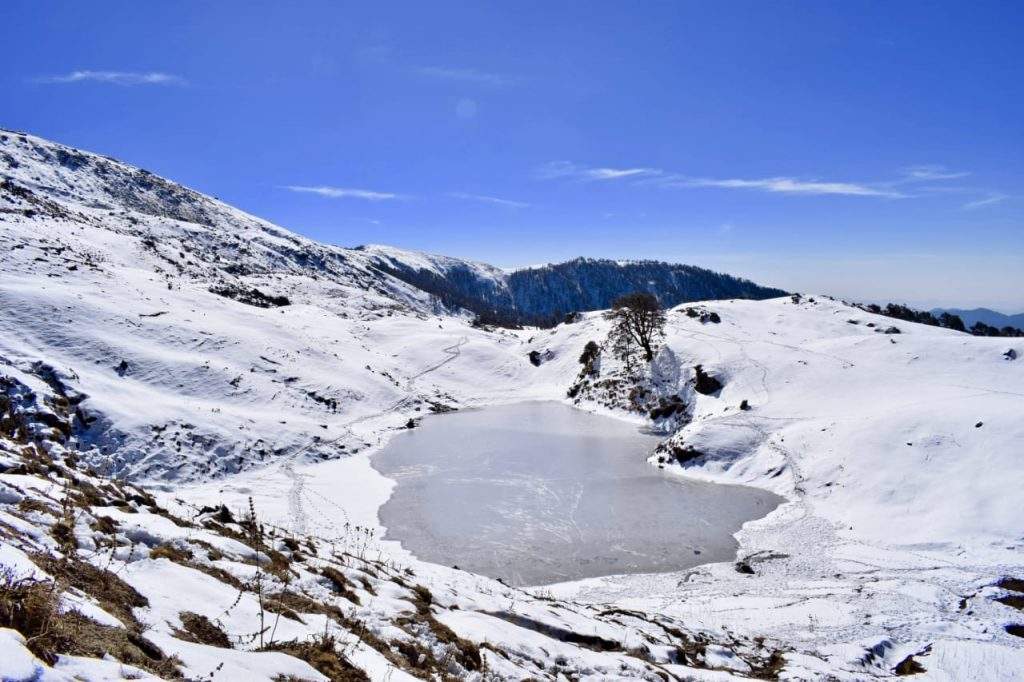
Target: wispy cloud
(910, 182)
(488, 200)
(566, 169)
(787, 185)
(466, 76)
(115, 78)
(990, 200)
(344, 192)
(661, 178)
(932, 172)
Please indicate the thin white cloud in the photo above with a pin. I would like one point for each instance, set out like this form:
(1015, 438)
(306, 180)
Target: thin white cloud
(907, 186)
(990, 200)
(488, 200)
(567, 169)
(932, 172)
(786, 185)
(343, 192)
(617, 173)
(466, 76)
(116, 78)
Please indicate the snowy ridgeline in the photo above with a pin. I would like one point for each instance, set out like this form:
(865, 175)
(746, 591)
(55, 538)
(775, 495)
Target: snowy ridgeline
(148, 331)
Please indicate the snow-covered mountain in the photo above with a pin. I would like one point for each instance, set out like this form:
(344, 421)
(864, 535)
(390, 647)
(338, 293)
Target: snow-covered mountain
(545, 295)
(985, 315)
(157, 335)
(550, 292)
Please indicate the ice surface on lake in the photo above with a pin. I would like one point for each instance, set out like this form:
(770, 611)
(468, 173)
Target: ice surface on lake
(539, 492)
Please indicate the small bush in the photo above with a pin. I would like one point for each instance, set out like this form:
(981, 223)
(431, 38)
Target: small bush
(590, 352)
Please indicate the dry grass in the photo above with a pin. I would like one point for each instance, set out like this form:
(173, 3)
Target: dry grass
(290, 604)
(200, 629)
(113, 594)
(32, 607)
(464, 652)
(31, 504)
(172, 552)
(322, 653)
(63, 531)
(342, 585)
(104, 524)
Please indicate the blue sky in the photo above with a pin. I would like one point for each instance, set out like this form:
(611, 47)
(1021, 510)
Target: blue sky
(869, 150)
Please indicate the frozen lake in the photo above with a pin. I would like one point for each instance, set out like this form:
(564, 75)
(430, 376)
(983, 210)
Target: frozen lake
(540, 492)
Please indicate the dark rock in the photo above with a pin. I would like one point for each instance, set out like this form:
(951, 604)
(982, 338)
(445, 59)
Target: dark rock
(537, 358)
(686, 454)
(1011, 584)
(253, 297)
(908, 666)
(704, 383)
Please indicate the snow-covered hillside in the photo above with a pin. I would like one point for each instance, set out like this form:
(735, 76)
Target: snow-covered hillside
(151, 333)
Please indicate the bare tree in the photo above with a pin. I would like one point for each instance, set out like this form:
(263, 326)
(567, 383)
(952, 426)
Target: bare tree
(639, 319)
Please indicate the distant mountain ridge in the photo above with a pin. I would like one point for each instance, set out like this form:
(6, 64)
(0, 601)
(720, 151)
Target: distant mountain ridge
(548, 293)
(544, 295)
(985, 315)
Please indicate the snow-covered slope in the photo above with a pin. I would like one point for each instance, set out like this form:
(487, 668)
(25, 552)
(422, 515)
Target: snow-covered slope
(215, 357)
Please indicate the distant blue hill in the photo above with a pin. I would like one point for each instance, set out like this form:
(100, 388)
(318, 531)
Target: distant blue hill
(989, 317)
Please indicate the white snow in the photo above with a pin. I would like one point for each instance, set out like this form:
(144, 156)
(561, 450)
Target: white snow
(899, 505)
